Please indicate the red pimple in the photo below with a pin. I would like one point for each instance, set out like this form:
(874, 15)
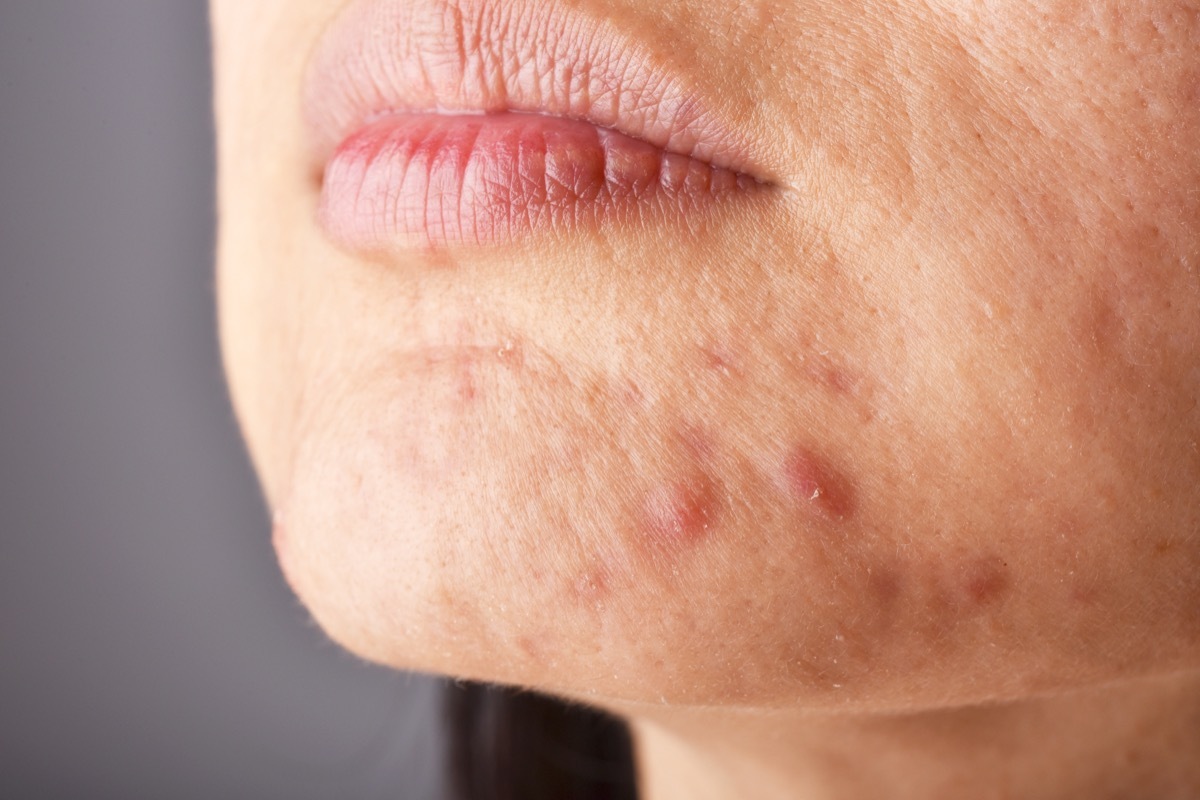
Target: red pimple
(815, 484)
(680, 513)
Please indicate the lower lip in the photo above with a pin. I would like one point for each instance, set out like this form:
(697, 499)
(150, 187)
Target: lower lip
(409, 180)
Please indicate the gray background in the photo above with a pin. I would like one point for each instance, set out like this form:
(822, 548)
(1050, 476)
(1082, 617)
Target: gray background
(148, 646)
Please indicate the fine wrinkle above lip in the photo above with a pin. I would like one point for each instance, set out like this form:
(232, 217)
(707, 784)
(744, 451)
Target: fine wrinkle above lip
(491, 56)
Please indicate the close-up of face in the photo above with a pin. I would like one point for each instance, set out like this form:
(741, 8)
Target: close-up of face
(723, 353)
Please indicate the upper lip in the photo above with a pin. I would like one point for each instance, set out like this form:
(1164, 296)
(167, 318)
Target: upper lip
(482, 56)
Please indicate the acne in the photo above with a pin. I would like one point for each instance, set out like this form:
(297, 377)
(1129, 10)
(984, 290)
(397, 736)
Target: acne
(680, 514)
(960, 589)
(831, 376)
(817, 487)
(719, 359)
(592, 586)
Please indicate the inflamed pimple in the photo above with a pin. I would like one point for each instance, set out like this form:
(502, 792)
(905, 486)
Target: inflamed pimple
(817, 485)
(680, 513)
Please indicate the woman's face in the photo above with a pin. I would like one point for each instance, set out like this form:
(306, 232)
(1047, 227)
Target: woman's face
(776, 353)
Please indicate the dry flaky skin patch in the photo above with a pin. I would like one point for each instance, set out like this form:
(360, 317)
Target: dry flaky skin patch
(920, 429)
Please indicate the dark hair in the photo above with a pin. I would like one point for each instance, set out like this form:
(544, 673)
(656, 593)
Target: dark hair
(507, 744)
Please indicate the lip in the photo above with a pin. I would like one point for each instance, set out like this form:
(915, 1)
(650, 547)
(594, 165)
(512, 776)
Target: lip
(441, 122)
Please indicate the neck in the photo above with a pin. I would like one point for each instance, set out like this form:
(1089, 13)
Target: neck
(1135, 739)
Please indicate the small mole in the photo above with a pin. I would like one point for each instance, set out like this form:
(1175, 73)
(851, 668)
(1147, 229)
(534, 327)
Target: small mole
(680, 513)
(815, 484)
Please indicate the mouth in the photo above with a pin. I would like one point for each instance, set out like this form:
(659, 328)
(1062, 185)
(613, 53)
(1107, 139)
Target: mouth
(469, 122)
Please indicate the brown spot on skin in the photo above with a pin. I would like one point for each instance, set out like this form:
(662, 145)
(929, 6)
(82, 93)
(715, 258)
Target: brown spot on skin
(884, 585)
(680, 514)
(1164, 546)
(815, 485)
(530, 648)
(986, 580)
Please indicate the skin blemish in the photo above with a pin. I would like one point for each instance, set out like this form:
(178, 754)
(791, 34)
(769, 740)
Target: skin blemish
(592, 586)
(1164, 546)
(632, 395)
(680, 513)
(884, 585)
(468, 385)
(719, 359)
(986, 580)
(815, 485)
(960, 589)
(823, 371)
(530, 648)
(510, 354)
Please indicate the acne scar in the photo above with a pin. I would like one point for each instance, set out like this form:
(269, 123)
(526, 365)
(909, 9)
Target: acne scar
(986, 580)
(816, 485)
(884, 585)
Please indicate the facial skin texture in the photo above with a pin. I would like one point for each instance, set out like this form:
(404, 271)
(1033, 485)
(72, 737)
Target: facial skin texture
(912, 427)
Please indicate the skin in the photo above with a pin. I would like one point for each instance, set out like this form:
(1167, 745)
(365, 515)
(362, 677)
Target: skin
(896, 460)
